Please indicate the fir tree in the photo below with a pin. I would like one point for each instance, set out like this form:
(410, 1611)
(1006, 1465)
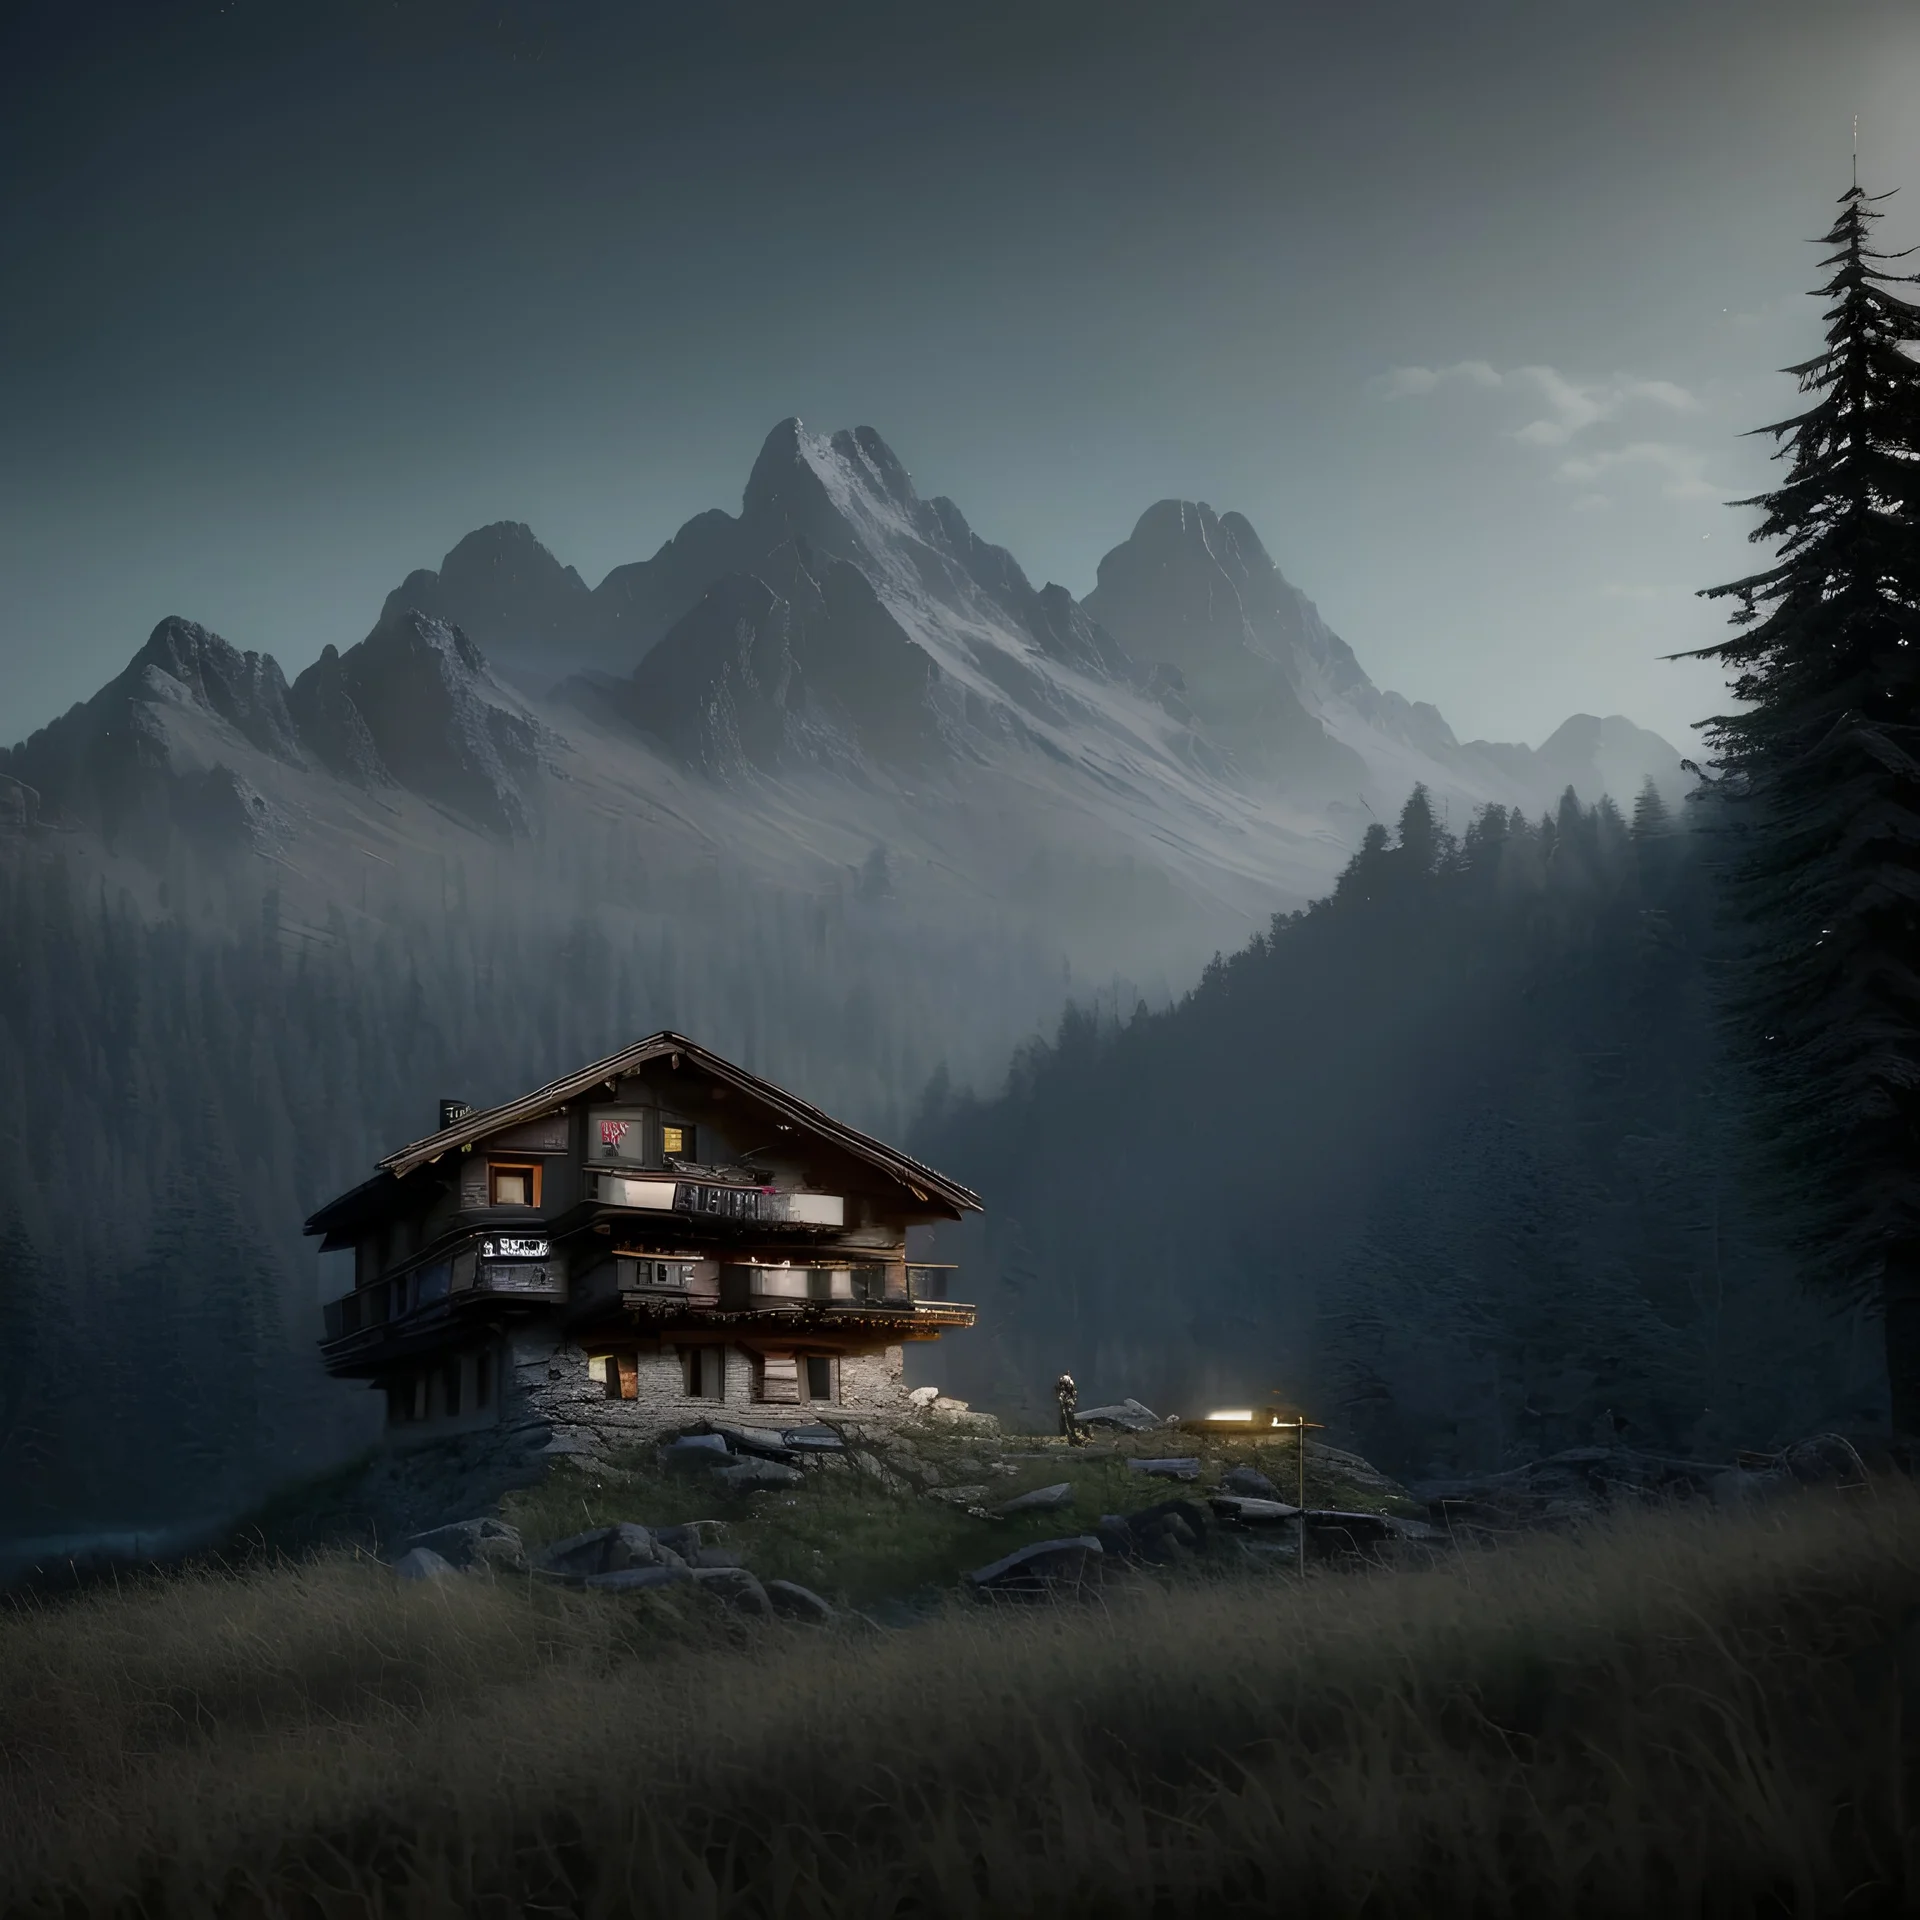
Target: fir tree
(1820, 785)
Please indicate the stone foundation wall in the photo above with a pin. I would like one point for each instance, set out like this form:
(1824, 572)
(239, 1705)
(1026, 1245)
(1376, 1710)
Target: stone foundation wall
(547, 1380)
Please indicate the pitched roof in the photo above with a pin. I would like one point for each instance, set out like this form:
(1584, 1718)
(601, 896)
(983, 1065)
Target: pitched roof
(472, 1126)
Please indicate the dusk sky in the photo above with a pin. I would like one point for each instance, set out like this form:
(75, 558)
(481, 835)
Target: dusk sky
(1465, 305)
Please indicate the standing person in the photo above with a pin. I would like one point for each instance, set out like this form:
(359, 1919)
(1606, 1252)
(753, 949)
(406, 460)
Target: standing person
(1069, 1395)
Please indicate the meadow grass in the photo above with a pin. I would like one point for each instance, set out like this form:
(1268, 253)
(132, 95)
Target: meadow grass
(1671, 1713)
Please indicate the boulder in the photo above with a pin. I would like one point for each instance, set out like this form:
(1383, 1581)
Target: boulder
(1042, 1568)
(639, 1579)
(922, 1397)
(1176, 1467)
(812, 1440)
(604, 1550)
(475, 1545)
(747, 1475)
(694, 1451)
(422, 1563)
(1040, 1500)
(766, 1446)
(1250, 1510)
(791, 1601)
(1248, 1480)
(714, 1557)
(734, 1587)
(1169, 1531)
(1127, 1417)
(688, 1538)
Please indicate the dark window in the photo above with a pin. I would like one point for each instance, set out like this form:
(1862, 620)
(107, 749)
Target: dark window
(704, 1372)
(820, 1382)
(483, 1377)
(450, 1386)
(399, 1401)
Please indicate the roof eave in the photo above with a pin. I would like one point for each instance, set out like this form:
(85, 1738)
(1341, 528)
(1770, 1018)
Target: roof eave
(910, 1173)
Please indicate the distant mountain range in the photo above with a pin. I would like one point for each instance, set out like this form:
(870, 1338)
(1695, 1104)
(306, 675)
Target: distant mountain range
(842, 663)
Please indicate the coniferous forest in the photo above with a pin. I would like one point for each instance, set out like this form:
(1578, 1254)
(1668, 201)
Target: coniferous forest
(1453, 1158)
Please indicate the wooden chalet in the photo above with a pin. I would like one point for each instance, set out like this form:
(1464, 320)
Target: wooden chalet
(658, 1234)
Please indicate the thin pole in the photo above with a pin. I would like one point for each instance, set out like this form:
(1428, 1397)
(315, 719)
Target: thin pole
(1300, 1425)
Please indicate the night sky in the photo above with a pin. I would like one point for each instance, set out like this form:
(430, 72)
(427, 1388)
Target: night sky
(1464, 304)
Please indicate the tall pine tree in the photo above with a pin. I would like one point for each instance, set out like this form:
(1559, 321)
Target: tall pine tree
(1819, 773)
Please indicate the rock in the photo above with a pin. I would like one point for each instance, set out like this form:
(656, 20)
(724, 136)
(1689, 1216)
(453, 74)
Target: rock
(923, 1397)
(1182, 1520)
(714, 1557)
(422, 1563)
(639, 1579)
(687, 1539)
(813, 1440)
(1177, 1467)
(794, 1602)
(750, 1474)
(768, 1446)
(1252, 1511)
(475, 1545)
(1128, 1417)
(694, 1451)
(734, 1587)
(1249, 1480)
(1040, 1500)
(602, 1550)
(1046, 1566)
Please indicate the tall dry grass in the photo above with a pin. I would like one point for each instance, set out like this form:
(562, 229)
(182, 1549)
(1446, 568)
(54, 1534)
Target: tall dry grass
(1670, 1715)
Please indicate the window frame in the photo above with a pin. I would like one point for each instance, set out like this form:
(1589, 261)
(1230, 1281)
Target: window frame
(694, 1360)
(531, 1168)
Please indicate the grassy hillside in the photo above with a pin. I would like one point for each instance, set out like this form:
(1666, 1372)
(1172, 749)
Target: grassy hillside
(1667, 1714)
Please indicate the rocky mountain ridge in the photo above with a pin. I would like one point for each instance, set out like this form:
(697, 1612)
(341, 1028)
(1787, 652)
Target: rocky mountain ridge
(857, 646)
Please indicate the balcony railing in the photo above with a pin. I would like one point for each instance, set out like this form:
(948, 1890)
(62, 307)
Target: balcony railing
(392, 1303)
(715, 1200)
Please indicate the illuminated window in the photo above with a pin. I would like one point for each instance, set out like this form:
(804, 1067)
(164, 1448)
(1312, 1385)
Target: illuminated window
(511, 1184)
(676, 1138)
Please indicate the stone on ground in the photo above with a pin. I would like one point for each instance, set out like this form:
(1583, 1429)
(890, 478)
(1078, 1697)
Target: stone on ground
(1040, 1500)
(422, 1563)
(792, 1601)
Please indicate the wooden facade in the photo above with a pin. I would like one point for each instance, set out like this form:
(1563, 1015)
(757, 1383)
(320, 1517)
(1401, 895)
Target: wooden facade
(659, 1233)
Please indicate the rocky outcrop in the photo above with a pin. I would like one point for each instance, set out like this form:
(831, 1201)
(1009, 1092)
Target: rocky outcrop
(415, 705)
(510, 596)
(149, 753)
(1196, 592)
(813, 673)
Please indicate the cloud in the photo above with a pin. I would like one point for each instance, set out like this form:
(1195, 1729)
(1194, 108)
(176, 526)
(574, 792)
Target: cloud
(1564, 409)
(1571, 405)
(1402, 383)
(1682, 469)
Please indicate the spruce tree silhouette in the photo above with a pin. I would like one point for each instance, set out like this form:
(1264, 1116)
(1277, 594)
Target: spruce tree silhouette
(1818, 776)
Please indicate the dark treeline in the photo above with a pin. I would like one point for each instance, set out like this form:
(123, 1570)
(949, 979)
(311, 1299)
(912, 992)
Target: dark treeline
(1451, 1157)
(180, 1089)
